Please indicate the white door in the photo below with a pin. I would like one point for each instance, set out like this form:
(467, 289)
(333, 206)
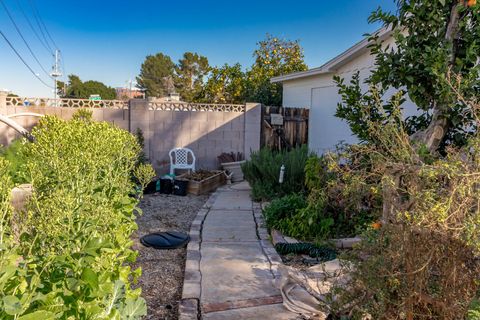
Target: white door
(326, 130)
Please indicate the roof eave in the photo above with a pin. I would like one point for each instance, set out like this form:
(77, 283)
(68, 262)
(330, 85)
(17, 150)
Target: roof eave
(335, 63)
(302, 74)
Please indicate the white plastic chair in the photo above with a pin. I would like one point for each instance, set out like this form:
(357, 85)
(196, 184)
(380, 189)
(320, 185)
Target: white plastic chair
(181, 159)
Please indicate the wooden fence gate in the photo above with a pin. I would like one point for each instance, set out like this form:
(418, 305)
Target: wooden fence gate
(284, 128)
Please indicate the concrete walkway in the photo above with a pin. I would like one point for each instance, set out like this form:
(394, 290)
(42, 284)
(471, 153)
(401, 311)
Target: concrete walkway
(230, 269)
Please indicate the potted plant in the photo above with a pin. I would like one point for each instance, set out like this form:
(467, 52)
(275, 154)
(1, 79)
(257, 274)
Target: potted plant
(232, 163)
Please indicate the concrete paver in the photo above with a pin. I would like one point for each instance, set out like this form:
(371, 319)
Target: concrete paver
(241, 234)
(232, 271)
(237, 281)
(233, 200)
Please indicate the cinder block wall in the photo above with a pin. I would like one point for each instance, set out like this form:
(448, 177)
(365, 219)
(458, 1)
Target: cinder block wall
(7, 135)
(207, 133)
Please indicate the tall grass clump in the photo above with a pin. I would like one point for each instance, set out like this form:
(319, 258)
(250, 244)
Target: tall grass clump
(263, 169)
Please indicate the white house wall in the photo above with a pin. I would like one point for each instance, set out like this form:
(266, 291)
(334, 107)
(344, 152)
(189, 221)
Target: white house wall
(320, 94)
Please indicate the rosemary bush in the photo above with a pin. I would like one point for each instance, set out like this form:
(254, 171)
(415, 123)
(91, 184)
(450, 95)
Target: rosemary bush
(263, 169)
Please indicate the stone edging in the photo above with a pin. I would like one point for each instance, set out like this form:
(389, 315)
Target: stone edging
(267, 246)
(189, 308)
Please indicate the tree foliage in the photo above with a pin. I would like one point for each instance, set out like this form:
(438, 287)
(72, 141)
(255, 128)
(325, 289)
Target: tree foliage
(156, 75)
(196, 81)
(225, 84)
(78, 89)
(432, 40)
(422, 263)
(273, 57)
(190, 72)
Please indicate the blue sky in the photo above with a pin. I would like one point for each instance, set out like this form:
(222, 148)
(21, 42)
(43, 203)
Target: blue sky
(108, 40)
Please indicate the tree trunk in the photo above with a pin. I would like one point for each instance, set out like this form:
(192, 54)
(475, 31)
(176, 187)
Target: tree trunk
(435, 132)
(432, 136)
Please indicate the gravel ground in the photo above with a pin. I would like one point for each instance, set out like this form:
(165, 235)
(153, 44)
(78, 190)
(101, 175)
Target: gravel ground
(162, 270)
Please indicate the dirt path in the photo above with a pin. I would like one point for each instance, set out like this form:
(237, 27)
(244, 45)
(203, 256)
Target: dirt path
(162, 276)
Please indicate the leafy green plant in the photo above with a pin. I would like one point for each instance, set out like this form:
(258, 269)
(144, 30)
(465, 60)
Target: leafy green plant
(310, 222)
(292, 215)
(474, 311)
(283, 208)
(15, 160)
(263, 170)
(71, 259)
(142, 157)
(83, 114)
(341, 201)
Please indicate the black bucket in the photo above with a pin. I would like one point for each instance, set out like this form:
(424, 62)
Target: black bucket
(180, 187)
(152, 187)
(166, 186)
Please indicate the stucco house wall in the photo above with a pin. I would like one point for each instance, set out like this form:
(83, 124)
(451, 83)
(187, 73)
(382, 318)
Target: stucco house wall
(315, 89)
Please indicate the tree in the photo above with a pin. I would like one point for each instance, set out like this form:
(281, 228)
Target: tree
(434, 40)
(225, 85)
(189, 75)
(61, 88)
(423, 261)
(273, 57)
(156, 75)
(78, 89)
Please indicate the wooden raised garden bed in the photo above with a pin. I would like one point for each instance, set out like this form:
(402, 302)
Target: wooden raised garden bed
(203, 181)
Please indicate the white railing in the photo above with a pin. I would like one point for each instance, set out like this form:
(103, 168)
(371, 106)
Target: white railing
(66, 103)
(183, 106)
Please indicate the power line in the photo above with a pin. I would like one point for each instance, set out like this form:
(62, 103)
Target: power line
(23, 38)
(42, 23)
(50, 51)
(23, 60)
(32, 6)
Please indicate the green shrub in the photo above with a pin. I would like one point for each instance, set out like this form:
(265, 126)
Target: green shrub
(292, 216)
(282, 209)
(339, 201)
(16, 161)
(474, 310)
(263, 169)
(72, 258)
(339, 195)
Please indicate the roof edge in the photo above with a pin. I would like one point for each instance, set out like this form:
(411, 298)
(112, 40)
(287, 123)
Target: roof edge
(300, 74)
(332, 65)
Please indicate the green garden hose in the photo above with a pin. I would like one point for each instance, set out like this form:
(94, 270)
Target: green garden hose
(322, 253)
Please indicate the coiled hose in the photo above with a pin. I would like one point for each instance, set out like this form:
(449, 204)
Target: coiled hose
(322, 253)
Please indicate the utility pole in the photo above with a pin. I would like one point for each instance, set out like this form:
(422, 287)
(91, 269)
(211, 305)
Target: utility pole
(130, 90)
(56, 72)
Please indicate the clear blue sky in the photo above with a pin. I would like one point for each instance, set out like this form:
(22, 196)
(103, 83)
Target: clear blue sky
(108, 40)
